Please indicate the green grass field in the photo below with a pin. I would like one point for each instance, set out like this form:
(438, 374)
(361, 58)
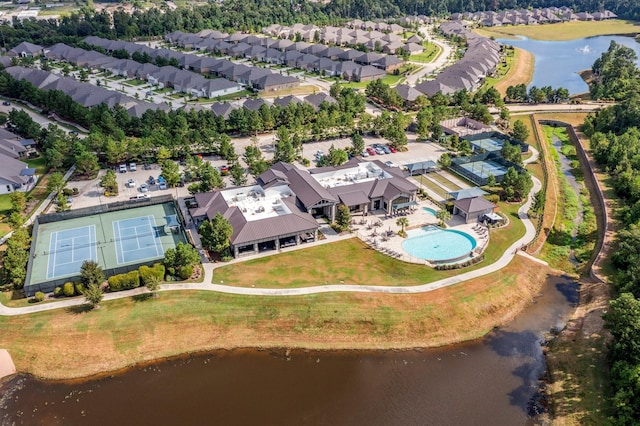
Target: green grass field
(431, 52)
(563, 31)
(359, 264)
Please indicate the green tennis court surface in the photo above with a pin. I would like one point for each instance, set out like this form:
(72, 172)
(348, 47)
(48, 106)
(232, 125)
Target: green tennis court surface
(118, 240)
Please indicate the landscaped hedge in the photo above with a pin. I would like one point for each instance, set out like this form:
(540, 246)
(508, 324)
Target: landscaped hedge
(68, 289)
(146, 272)
(124, 281)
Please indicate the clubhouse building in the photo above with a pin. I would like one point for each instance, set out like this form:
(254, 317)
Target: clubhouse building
(281, 209)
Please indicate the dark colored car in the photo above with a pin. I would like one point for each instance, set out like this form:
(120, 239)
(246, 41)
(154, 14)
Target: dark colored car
(152, 180)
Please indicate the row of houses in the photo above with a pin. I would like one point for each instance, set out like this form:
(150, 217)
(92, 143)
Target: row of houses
(388, 43)
(279, 210)
(191, 65)
(531, 17)
(223, 109)
(85, 94)
(479, 61)
(15, 175)
(349, 64)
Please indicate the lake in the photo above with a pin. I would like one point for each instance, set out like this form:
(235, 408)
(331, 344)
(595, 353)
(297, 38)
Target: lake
(557, 63)
(494, 380)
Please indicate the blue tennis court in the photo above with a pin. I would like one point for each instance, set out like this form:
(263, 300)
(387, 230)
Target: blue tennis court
(69, 248)
(485, 168)
(488, 144)
(137, 239)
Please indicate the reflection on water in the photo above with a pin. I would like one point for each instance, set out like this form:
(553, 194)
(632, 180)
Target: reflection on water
(490, 381)
(557, 63)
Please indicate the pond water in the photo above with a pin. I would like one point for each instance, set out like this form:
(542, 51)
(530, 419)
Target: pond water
(494, 381)
(557, 63)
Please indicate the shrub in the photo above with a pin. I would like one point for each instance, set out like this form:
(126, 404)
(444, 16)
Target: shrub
(185, 272)
(76, 191)
(494, 198)
(146, 272)
(68, 289)
(79, 287)
(57, 292)
(67, 192)
(124, 281)
(39, 297)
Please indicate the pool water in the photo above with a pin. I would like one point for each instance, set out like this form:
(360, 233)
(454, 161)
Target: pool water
(429, 210)
(436, 244)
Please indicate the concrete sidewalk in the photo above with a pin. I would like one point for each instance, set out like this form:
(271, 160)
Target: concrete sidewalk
(504, 260)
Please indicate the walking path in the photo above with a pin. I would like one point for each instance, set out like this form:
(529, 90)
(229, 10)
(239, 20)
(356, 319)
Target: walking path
(209, 268)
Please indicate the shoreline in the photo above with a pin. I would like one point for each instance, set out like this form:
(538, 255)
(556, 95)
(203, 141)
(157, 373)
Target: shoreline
(518, 296)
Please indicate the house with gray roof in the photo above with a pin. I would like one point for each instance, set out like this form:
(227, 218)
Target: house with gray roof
(253, 104)
(15, 175)
(316, 99)
(10, 144)
(26, 50)
(213, 88)
(286, 101)
(368, 73)
(222, 109)
(273, 82)
(473, 209)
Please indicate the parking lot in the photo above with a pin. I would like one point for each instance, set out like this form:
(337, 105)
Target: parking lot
(91, 194)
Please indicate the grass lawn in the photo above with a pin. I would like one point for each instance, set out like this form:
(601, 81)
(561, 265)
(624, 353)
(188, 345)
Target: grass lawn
(231, 96)
(432, 186)
(5, 204)
(131, 330)
(563, 31)
(390, 79)
(163, 90)
(446, 182)
(359, 264)
(136, 82)
(39, 164)
(431, 52)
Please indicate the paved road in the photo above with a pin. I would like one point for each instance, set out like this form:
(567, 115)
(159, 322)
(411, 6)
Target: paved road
(516, 109)
(442, 60)
(209, 268)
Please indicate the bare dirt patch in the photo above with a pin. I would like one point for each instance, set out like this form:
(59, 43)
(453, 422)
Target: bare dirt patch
(521, 71)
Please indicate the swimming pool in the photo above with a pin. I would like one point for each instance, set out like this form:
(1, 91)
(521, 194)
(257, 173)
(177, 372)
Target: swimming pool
(436, 244)
(429, 210)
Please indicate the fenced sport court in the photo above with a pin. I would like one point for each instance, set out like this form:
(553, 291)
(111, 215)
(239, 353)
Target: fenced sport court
(118, 240)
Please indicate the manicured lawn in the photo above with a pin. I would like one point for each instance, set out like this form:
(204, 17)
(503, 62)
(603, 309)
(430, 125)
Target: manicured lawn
(563, 31)
(39, 164)
(432, 186)
(353, 262)
(390, 79)
(5, 204)
(163, 90)
(136, 82)
(430, 53)
(231, 96)
(446, 182)
(517, 69)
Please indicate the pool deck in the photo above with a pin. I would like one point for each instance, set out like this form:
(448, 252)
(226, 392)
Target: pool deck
(392, 245)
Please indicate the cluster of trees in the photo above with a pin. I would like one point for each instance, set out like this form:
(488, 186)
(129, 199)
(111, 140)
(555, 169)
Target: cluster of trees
(215, 235)
(537, 95)
(250, 15)
(181, 260)
(382, 93)
(615, 75)
(516, 184)
(615, 142)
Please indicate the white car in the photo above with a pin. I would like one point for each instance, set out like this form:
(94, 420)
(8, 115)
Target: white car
(123, 168)
(143, 187)
(364, 153)
(131, 183)
(132, 167)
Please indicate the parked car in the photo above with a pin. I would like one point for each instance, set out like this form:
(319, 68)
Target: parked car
(143, 187)
(364, 153)
(385, 149)
(123, 168)
(162, 185)
(132, 167)
(73, 132)
(131, 183)
(371, 151)
(380, 151)
(152, 180)
(6, 103)
(139, 197)
(319, 154)
(390, 164)
(392, 149)
(224, 170)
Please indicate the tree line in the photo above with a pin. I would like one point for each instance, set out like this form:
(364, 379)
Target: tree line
(615, 143)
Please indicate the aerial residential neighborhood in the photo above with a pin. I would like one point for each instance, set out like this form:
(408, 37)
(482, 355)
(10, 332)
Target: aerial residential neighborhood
(368, 197)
